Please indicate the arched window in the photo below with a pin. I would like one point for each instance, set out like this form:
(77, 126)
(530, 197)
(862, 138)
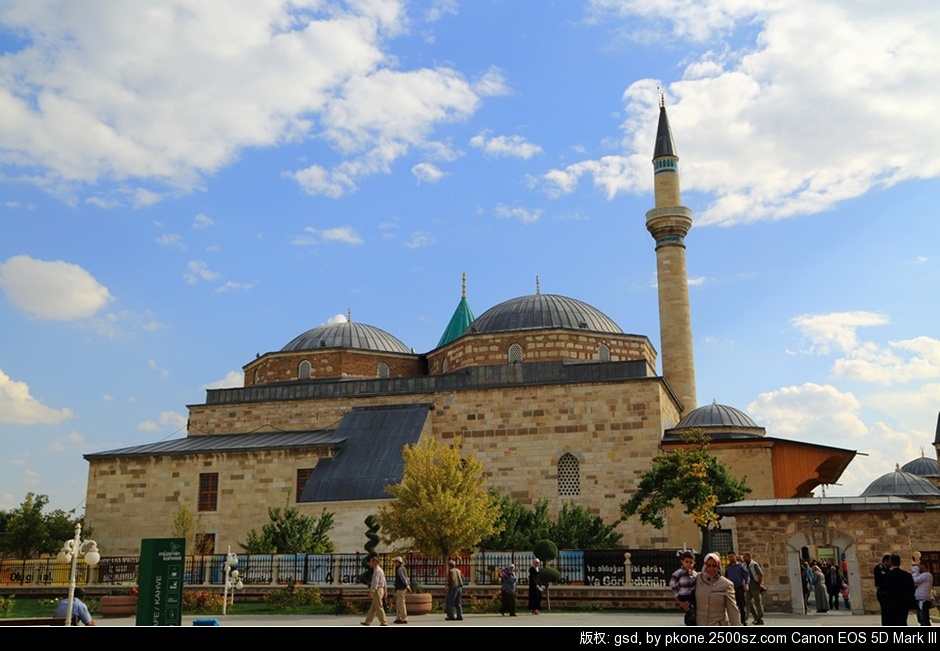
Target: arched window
(569, 475)
(303, 372)
(515, 354)
(603, 353)
(383, 370)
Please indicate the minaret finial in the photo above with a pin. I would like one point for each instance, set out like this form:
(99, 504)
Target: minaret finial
(922, 455)
(538, 290)
(463, 286)
(349, 314)
(662, 97)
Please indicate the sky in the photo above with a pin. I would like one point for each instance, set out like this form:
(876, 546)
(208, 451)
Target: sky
(186, 185)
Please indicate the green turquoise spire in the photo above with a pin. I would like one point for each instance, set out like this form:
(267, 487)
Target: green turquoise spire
(463, 317)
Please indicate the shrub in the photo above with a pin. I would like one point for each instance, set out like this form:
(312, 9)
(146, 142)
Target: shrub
(6, 605)
(292, 596)
(200, 601)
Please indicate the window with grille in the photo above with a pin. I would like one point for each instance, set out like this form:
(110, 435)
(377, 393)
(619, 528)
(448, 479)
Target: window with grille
(209, 491)
(569, 475)
(603, 353)
(304, 372)
(383, 370)
(303, 474)
(515, 354)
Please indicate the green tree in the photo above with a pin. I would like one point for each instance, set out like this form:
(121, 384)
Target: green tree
(518, 526)
(577, 528)
(29, 532)
(290, 532)
(441, 504)
(693, 477)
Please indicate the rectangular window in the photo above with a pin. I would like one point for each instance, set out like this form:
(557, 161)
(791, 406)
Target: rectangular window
(209, 491)
(303, 474)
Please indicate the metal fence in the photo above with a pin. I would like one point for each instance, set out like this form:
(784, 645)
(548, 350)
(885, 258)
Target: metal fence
(603, 568)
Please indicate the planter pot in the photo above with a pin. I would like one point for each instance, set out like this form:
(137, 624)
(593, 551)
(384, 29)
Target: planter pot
(120, 606)
(418, 604)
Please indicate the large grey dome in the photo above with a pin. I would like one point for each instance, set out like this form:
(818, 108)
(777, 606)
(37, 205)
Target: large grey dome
(347, 335)
(901, 484)
(540, 311)
(715, 415)
(922, 467)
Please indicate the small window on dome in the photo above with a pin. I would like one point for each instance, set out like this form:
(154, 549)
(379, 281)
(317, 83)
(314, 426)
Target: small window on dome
(515, 354)
(383, 370)
(603, 353)
(569, 475)
(303, 372)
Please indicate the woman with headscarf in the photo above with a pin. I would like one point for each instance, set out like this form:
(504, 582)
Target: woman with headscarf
(714, 596)
(535, 590)
(822, 603)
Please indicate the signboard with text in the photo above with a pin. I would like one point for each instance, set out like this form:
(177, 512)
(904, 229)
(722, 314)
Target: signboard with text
(160, 598)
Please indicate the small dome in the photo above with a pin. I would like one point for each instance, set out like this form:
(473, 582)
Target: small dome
(715, 415)
(347, 335)
(901, 484)
(541, 311)
(922, 467)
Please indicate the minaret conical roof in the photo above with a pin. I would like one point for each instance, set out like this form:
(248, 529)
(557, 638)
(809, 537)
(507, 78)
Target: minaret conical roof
(664, 143)
(463, 317)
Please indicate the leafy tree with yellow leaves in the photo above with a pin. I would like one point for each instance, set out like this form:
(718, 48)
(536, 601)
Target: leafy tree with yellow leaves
(441, 504)
(693, 477)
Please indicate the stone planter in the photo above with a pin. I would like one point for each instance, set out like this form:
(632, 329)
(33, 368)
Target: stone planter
(118, 606)
(418, 603)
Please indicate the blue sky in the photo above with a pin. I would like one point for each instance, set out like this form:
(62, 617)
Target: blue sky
(184, 186)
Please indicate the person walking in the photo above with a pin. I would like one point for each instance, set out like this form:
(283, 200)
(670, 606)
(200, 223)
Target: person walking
(402, 587)
(535, 590)
(819, 581)
(737, 573)
(755, 590)
(899, 593)
(377, 591)
(923, 593)
(508, 579)
(880, 573)
(454, 601)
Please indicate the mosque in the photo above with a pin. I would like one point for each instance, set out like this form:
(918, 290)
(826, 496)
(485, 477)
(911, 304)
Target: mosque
(548, 392)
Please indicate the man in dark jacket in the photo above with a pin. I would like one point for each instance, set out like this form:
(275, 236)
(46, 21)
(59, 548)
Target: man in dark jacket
(899, 589)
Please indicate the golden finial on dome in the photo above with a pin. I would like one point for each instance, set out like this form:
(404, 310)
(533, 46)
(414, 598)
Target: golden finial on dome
(463, 286)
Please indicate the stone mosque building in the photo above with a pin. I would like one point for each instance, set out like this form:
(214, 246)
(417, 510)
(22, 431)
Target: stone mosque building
(551, 395)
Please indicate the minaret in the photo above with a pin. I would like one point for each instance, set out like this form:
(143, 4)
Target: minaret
(668, 223)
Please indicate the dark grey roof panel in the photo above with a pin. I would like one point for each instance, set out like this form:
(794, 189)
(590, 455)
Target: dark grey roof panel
(223, 443)
(664, 143)
(540, 311)
(901, 484)
(370, 459)
(819, 505)
(715, 415)
(347, 335)
(922, 467)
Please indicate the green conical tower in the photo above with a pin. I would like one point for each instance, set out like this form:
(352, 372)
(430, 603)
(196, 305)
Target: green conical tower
(463, 317)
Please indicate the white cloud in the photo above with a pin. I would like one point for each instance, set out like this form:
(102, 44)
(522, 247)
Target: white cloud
(71, 440)
(173, 92)
(19, 407)
(232, 379)
(697, 282)
(524, 215)
(500, 146)
(229, 286)
(174, 420)
(171, 240)
(202, 221)
(52, 290)
(144, 198)
(810, 113)
(199, 270)
(346, 234)
(419, 239)
(810, 412)
(339, 318)
(427, 173)
(836, 330)
(164, 373)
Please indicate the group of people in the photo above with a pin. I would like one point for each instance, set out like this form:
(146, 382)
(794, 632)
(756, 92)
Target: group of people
(508, 580)
(900, 591)
(828, 581)
(716, 598)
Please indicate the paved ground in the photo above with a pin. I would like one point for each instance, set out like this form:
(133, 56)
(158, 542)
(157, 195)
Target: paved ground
(580, 620)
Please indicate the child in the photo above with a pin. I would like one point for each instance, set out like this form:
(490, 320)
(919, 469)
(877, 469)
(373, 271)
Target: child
(682, 583)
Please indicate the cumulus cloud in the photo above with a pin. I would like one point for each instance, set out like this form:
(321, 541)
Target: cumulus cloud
(810, 412)
(345, 234)
(524, 215)
(174, 92)
(71, 440)
(419, 239)
(202, 221)
(427, 173)
(171, 419)
(199, 270)
(835, 330)
(56, 290)
(232, 379)
(229, 286)
(339, 318)
(501, 146)
(809, 113)
(171, 240)
(19, 407)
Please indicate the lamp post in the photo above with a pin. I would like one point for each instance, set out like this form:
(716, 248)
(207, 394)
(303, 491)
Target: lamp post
(232, 580)
(71, 550)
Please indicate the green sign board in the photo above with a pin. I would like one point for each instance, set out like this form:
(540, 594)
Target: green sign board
(160, 598)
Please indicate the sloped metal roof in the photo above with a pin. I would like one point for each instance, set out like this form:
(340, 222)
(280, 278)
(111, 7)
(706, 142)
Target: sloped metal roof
(540, 311)
(223, 443)
(463, 317)
(369, 459)
(347, 335)
(820, 504)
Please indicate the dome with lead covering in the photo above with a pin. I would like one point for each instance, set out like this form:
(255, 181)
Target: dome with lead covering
(901, 484)
(923, 466)
(347, 335)
(542, 311)
(715, 415)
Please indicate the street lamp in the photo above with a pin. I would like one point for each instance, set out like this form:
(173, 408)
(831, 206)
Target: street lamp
(71, 550)
(232, 580)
